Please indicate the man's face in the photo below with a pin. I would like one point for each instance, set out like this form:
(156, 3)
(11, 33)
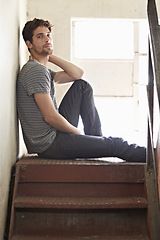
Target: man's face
(42, 43)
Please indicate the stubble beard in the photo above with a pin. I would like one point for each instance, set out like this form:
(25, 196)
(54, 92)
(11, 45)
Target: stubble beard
(46, 52)
(43, 52)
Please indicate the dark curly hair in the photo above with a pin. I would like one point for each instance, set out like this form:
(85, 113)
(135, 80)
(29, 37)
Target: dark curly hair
(30, 26)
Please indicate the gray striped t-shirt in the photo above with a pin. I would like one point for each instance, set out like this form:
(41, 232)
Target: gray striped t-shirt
(35, 78)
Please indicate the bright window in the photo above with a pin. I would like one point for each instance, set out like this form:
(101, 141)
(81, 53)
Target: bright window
(103, 39)
(143, 37)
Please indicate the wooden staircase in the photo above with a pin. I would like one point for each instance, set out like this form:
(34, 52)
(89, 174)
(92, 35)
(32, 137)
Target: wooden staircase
(79, 199)
(93, 199)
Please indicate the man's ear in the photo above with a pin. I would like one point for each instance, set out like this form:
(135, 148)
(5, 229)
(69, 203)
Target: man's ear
(29, 44)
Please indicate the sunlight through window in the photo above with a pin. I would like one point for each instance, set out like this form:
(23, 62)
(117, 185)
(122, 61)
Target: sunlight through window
(103, 39)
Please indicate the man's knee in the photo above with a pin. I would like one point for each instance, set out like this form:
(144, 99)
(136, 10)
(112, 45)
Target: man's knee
(83, 85)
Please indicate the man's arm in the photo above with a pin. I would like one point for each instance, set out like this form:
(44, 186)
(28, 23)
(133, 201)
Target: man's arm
(51, 116)
(70, 71)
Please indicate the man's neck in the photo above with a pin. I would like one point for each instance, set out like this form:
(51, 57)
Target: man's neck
(41, 59)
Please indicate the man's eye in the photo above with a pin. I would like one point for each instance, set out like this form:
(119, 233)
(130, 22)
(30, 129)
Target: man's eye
(39, 36)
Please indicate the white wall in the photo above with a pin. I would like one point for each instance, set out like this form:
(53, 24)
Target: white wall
(60, 12)
(10, 19)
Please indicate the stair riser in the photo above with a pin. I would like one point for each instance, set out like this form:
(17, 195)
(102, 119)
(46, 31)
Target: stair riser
(80, 223)
(80, 173)
(81, 190)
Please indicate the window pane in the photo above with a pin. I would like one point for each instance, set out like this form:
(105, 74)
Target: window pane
(103, 39)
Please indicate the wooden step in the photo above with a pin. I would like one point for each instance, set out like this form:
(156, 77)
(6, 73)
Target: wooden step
(40, 170)
(80, 203)
(80, 223)
(81, 190)
(140, 237)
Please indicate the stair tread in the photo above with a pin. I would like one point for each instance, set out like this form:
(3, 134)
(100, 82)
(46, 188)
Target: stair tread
(137, 237)
(33, 159)
(80, 203)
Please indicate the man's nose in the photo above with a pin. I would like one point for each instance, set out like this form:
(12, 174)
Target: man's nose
(47, 39)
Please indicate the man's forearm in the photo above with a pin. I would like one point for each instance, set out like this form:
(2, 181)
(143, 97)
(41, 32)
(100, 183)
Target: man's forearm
(51, 116)
(71, 69)
(61, 124)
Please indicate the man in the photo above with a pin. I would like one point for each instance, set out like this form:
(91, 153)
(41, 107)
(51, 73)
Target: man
(52, 132)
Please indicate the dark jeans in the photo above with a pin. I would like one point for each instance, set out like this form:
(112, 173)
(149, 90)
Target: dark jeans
(79, 101)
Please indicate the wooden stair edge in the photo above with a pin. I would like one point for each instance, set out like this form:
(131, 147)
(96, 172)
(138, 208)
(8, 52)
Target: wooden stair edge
(109, 161)
(62, 172)
(80, 203)
(138, 237)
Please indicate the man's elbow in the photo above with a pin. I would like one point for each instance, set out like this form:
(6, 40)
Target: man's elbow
(82, 73)
(79, 75)
(48, 119)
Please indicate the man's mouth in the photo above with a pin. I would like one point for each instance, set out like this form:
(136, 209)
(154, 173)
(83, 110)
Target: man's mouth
(48, 45)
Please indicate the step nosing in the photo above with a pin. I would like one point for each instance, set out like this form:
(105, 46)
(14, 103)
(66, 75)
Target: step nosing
(42, 202)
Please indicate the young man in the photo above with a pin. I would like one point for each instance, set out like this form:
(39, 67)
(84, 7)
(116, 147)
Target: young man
(52, 132)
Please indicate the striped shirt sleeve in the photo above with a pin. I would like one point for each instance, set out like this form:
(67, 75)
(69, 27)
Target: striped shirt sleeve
(37, 81)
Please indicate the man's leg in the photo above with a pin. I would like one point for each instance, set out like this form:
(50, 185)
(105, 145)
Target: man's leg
(71, 146)
(79, 101)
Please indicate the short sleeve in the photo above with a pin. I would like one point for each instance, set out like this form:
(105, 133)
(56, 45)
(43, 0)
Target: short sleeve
(37, 80)
(52, 74)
